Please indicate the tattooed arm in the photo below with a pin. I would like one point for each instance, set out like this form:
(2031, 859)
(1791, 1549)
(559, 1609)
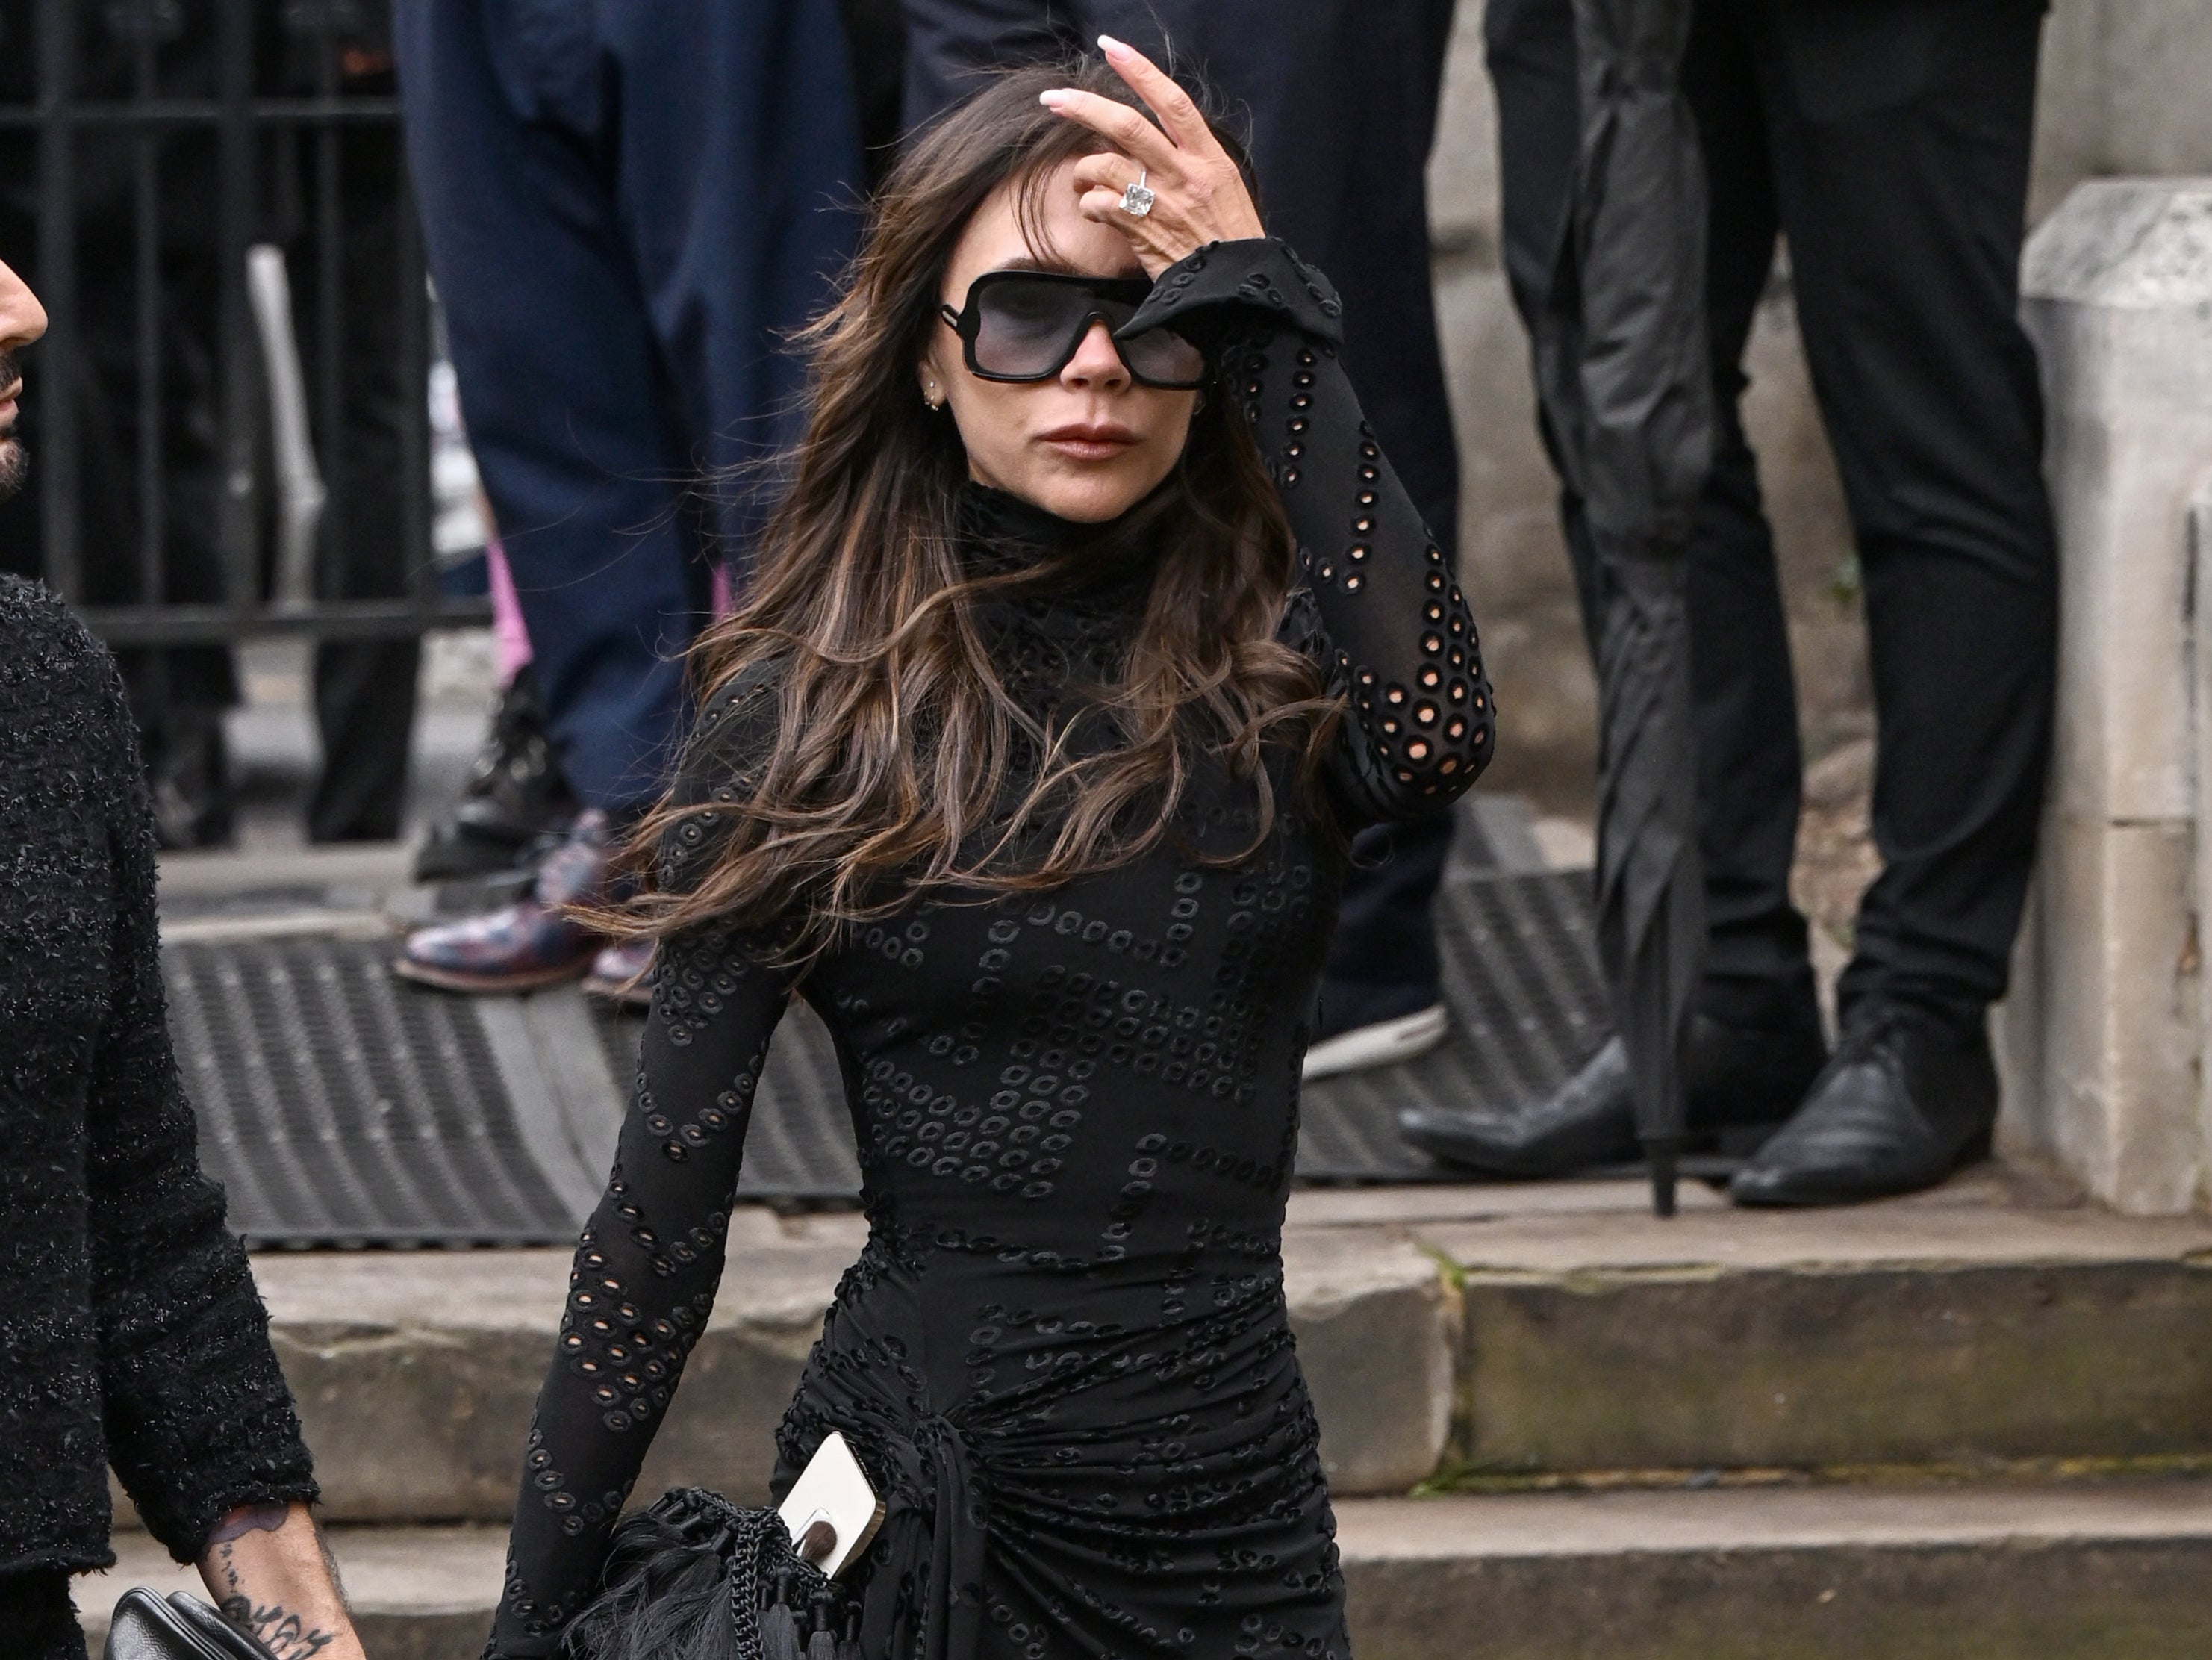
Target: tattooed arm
(269, 1573)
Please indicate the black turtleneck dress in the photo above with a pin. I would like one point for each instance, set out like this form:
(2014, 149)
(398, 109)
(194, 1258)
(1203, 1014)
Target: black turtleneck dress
(1064, 1354)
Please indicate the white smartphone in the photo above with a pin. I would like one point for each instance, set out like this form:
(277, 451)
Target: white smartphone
(831, 1510)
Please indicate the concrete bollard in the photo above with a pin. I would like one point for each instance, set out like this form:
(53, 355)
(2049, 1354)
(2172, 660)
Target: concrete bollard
(2102, 1037)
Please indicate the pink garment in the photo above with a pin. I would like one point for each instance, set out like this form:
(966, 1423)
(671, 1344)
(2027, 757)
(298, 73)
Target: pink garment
(509, 632)
(510, 637)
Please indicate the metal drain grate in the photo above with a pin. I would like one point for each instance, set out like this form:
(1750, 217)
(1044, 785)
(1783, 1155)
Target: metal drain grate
(799, 1148)
(1528, 1006)
(1519, 978)
(342, 1107)
(338, 1107)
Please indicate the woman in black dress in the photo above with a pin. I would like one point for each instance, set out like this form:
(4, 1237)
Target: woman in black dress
(1030, 765)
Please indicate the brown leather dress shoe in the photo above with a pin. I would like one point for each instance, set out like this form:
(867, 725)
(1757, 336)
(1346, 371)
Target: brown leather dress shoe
(532, 943)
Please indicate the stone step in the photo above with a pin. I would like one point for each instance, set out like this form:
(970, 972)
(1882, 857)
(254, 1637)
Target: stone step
(416, 1371)
(1447, 1332)
(1977, 1324)
(2051, 1572)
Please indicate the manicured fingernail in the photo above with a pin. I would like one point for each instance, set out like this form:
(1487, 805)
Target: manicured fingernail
(1052, 101)
(1112, 47)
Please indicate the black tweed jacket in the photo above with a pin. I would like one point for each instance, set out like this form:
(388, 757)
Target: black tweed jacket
(130, 1333)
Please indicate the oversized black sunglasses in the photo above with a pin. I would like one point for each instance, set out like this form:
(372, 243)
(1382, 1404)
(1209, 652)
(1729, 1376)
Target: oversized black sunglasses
(1026, 324)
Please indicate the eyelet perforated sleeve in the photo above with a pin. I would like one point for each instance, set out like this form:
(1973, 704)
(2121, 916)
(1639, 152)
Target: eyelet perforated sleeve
(650, 1259)
(1381, 610)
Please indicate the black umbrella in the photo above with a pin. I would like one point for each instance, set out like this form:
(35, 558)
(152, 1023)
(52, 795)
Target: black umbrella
(1627, 389)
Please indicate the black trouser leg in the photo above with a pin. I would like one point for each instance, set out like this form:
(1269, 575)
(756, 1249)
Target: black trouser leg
(1529, 46)
(1744, 702)
(1383, 961)
(1743, 689)
(178, 693)
(365, 710)
(365, 689)
(1900, 139)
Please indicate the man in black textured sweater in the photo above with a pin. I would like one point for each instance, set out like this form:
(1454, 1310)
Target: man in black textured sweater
(130, 1333)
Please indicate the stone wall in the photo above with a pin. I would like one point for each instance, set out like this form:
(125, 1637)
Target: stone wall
(2103, 1030)
(2127, 87)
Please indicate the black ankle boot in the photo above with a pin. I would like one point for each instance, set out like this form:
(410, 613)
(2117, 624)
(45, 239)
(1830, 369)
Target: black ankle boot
(1907, 1100)
(516, 795)
(1739, 1077)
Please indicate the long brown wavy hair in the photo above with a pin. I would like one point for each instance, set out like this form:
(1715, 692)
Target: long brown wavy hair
(893, 765)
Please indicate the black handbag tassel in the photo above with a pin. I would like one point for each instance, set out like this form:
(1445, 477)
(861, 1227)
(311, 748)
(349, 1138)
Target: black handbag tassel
(778, 1630)
(822, 1645)
(848, 1647)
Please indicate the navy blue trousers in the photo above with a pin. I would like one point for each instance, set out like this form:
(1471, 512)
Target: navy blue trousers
(625, 203)
(1339, 99)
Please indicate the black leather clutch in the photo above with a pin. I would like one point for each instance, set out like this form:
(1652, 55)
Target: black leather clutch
(147, 1627)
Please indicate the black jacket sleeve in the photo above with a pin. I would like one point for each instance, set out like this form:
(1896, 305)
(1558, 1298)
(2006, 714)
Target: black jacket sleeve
(1379, 609)
(196, 1412)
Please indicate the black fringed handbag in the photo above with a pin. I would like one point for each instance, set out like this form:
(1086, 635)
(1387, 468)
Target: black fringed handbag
(696, 1578)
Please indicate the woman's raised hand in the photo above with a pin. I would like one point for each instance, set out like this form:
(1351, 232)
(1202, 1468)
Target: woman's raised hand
(1197, 194)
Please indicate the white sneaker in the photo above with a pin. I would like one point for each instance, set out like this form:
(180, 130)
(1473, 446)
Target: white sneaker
(1382, 1044)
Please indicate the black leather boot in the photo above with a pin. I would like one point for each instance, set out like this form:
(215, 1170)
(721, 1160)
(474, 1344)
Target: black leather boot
(1738, 1076)
(1907, 1100)
(515, 795)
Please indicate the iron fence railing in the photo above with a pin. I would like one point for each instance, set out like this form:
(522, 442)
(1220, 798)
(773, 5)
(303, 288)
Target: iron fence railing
(184, 169)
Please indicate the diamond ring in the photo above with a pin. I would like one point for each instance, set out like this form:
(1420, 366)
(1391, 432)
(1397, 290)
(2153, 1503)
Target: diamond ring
(1136, 199)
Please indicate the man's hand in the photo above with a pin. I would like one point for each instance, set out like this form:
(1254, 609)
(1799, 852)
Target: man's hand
(270, 1574)
(1198, 195)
